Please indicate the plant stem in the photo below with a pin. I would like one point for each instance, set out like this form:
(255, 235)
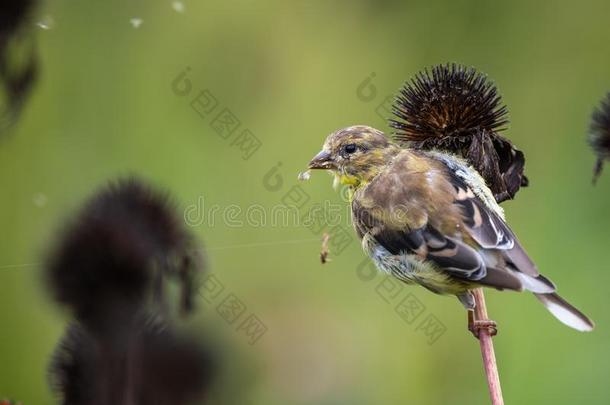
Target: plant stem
(487, 350)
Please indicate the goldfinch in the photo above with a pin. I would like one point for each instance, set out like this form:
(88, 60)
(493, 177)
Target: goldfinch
(428, 218)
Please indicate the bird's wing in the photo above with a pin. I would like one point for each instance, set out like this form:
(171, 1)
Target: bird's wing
(488, 230)
(508, 264)
(450, 254)
(470, 241)
(395, 214)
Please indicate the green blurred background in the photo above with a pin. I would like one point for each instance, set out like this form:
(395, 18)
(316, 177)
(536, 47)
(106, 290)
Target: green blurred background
(290, 71)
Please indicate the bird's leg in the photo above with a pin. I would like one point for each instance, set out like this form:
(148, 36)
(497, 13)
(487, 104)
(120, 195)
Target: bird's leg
(475, 325)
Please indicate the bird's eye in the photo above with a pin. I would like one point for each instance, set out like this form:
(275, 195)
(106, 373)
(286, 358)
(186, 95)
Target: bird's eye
(351, 148)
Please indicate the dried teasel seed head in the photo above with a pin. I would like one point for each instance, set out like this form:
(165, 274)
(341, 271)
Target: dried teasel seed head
(456, 109)
(599, 135)
(152, 363)
(115, 254)
(448, 101)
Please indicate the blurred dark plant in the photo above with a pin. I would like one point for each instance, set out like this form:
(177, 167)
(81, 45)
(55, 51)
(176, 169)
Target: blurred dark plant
(18, 61)
(110, 268)
(152, 365)
(114, 256)
(456, 109)
(599, 135)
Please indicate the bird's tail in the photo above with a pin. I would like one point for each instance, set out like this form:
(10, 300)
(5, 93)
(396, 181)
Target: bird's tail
(565, 312)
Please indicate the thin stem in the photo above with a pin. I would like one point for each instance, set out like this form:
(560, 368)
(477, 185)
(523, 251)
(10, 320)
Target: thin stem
(487, 350)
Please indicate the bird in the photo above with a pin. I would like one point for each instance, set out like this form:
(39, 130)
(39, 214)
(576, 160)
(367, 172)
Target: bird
(427, 217)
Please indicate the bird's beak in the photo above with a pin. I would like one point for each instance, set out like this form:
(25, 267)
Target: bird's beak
(322, 160)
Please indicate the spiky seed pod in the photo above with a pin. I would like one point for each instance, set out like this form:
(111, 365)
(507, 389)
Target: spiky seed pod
(101, 271)
(456, 109)
(599, 135)
(450, 101)
(18, 59)
(146, 209)
(73, 372)
(14, 13)
(163, 231)
(119, 248)
(151, 365)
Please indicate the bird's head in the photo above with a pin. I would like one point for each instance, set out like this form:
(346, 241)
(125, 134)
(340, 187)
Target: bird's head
(355, 154)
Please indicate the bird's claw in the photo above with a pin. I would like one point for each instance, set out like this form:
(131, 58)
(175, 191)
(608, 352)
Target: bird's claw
(477, 325)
